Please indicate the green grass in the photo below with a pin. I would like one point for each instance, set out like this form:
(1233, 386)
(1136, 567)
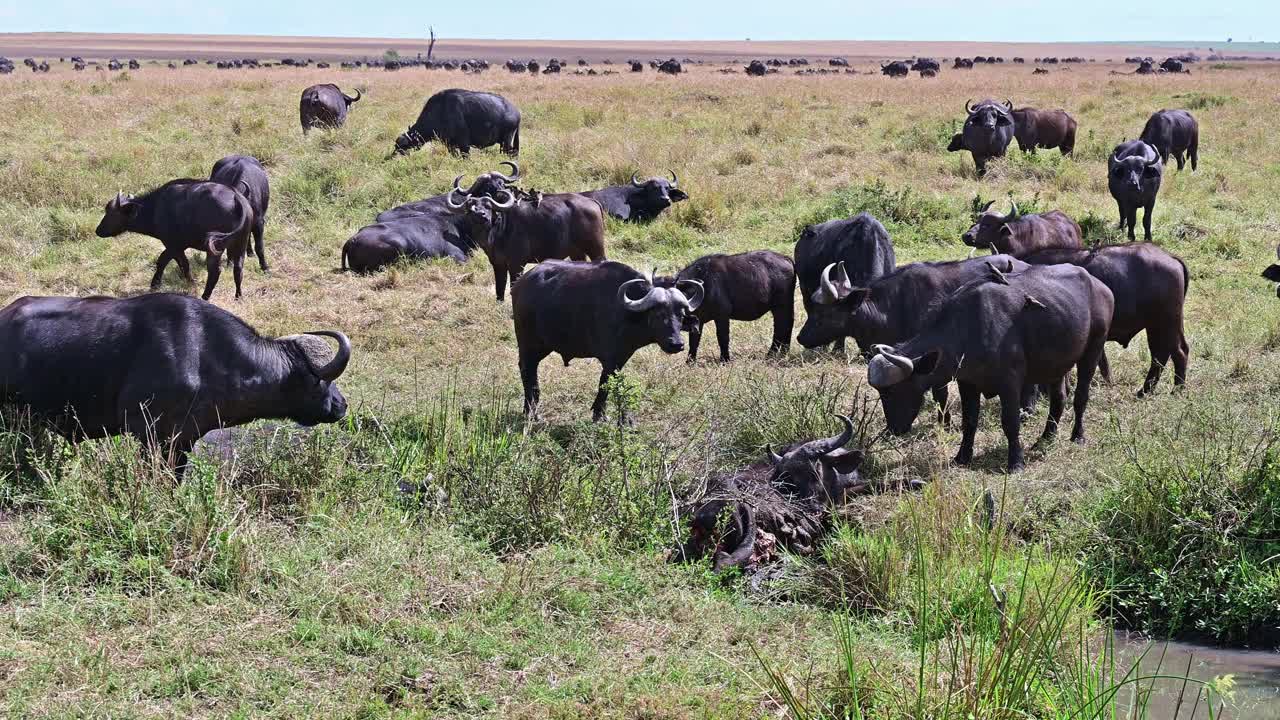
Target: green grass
(434, 556)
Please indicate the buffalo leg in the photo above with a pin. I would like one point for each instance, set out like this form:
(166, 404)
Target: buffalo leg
(212, 263)
(837, 347)
(1124, 216)
(161, 263)
(1104, 367)
(181, 258)
(500, 280)
(1180, 356)
(1011, 421)
(1181, 161)
(1146, 220)
(1057, 399)
(529, 378)
(1132, 220)
(237, 272)
(694, 326)
(1030, 396)
(258, 246)
(1084, 378)
(722, 337)
(940, 397)
(602, 395)
(783, 321)
(970, 408)
(1193, 153)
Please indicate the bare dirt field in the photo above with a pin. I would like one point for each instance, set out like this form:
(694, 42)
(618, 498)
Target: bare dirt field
(101, 45)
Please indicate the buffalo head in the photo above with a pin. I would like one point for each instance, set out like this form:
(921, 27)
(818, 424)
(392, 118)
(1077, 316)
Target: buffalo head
(658, 194)
(901, 382)
(410, 139)
(992, 229)
(989, 114)
(663, 307)
(819, 468)
(1133, 173)
(834, 303)
(309, 389)
(119, 214)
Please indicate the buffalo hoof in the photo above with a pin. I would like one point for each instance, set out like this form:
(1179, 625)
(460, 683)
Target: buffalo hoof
(1080, 440)
(1016, 467)
(962, 460)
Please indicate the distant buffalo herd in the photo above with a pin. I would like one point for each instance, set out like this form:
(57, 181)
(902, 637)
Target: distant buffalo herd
(167, 368)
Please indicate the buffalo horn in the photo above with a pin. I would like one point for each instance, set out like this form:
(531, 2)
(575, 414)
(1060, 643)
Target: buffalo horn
(515, 172)
(967, 103)
(887, 369)
(457, 182)
(1013, 210)
(635, 180)
(511, 200)
(1008, 104)
(695, 297)
(315, 350)
(649, 300)
(824, 446)
(350, 99)
(456, 205)
(774, 457)
(675, 181)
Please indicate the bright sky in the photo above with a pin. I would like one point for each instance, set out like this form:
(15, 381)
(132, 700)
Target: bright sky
(984, 20)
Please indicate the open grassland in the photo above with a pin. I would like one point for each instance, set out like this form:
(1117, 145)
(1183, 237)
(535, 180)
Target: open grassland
(527, 578)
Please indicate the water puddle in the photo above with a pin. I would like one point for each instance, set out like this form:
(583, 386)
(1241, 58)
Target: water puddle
(1255, 691)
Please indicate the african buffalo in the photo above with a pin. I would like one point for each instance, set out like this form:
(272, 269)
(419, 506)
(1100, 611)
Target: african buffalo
(640, 201)
(419, 236)
(1018, 235)
(187, 214)
(742, 287)
(1149, 286)
(962, 64)
(988, 129)
(462, 119)
(1173, 132)
(861, 242)
(324, 106)
(787, 498)
(164, 368)
(757, 69)
(1044, 129)
(671, 67)
(491, 184)
(1173, 65)
(896, 68)
(245, 175)
(926, 64)
(515, 231)
(605, 311)
(1134, 173)
(1272, 272)
(995, 337)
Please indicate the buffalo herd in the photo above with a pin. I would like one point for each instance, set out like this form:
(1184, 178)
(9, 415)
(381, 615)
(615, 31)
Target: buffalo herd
(1008, 325)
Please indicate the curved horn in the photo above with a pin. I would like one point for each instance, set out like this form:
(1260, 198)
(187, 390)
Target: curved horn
(827, 292)
(884, 65)
(696, 297)
(887, 369)
(1013, 210)
(1008, 104)
(822, 447)
(774, 457)
(338, 364)
(350, 99)
(456, 205)
(1115, 156)
(119, 196)
(1155, 155)
(643, 303)
(457, 184)
(635, 180)
(511, 200)
(988, 205)
(675, 181)
(515, 172)
(967, 103)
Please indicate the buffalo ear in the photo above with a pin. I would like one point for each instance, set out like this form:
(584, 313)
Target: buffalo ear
(957, 143)
(677, 195)
(927, 363)
(844, 461)
(857, 296)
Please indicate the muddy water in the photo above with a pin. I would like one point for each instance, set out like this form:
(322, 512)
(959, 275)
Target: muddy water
(1256, 675)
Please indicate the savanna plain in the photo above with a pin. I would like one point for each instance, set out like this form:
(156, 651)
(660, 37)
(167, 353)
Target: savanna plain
(433, 555)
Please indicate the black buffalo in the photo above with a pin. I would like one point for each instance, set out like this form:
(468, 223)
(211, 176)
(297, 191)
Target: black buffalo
(245, 175)
(962, 64)
(742, 287)
(1173, 65)
(896, 68)
(420, 236)
(605, 311)
(1272, 272)
(516, 231)
(995, 337)
(988, 129)
(1044, 129)
(860, 242)
(1150, 287)
(926, 64)
(1174, 132)
(187, 214)
(757, 69)
(490, 184)
(164, 368)
(462, 119)
(1134, 174)
(324, 106)
(640, 201)
(1019, 235)
(671, 67)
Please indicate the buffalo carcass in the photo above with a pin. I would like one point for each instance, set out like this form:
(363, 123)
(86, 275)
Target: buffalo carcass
(640, 201)
(1272, 272)
(605, 311)
(892, 308)
(742, 287)
(861, 242)
(462, 119)
(1134, 174)
(245, 175)
(988, 129)
(896, 68)
(1150, 287)
(324, 106)
(995, 337)
(517, 230)
(164, 368)
(1019, 235)
(1044, 129)
(187, 214)
(1174, 132)
(785, 501)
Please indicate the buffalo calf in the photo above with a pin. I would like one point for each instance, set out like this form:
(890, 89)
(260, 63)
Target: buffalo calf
(742, 287)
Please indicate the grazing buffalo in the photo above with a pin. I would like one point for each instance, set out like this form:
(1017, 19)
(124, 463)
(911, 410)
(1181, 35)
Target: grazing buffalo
(988, 129)
(324, 106)
(926, 64)
(896, 68)
(1134, 173)
(462, 119)
(1019, 235)
(245, 175)
(640, 201)
(1149, 286)
(742, 287)
(164, 368)
(995, 337)
(671, 67)
(746, 518)
(419, 236)
(1272, 272)
(962, 64)
(605, 311)
(861, 242)
(1174, 132)
(1039, 71)
(1044, 129)
(187, 214)
(517, 231)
